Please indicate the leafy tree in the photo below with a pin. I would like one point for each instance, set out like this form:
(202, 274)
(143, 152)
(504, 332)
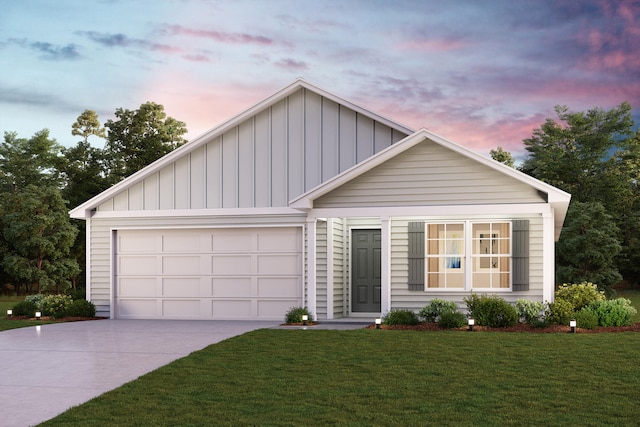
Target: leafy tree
(588, 248)
(88, 124)
(139, 137)
(37, 235)
(502, 156)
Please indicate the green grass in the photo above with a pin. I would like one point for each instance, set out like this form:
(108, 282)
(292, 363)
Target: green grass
(386, 378)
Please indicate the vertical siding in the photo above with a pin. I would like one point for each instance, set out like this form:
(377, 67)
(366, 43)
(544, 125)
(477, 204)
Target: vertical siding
(267, 160)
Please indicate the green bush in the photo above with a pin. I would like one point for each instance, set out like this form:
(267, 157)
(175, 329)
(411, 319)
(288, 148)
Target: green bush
(400, 317)
(294, 315)
(560, 312)
(55, 305)
(36, 299)
(436, 308)
(529, 311)
(579, 295)
(452, 319)
(25, 308)
(586, 318)
(81, 308)
(491, 311)
(615, 312)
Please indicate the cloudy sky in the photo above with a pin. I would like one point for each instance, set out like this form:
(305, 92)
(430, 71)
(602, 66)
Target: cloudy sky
(481, 73)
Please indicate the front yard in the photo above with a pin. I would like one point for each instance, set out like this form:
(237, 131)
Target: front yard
(380, 377)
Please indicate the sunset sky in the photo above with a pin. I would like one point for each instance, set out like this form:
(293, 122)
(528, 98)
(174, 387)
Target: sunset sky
(481, 73)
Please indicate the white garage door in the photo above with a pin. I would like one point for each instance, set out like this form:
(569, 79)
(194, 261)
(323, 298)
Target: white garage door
(242, 273)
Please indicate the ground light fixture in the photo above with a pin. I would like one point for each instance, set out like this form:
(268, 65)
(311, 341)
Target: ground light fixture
(9, 313)
(572, 325)
(38, 315)
(378, 322)
(471, 323)
(305, 319)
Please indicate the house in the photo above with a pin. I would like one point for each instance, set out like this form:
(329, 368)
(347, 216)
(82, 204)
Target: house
(306, 199)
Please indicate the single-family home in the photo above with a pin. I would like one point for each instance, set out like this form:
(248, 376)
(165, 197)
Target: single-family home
(306, 199)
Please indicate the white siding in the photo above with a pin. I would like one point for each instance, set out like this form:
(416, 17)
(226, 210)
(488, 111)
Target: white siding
(321, 269)
(429, 174)
(340, 280)
(267, 160)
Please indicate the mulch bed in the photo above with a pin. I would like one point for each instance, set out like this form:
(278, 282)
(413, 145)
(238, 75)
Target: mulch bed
(518, 328)
(53, 319)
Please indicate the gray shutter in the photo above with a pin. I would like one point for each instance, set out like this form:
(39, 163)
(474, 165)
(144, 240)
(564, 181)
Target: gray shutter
(520, 255)
(416, 256)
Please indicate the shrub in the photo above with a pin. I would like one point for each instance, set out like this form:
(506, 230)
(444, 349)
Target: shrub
(615, 312)
(36, 299)
(400, 317)
(491, 311)
(586, 318)
(55, 305)
(529, 311)
(25, 308)
(294, 315)
(81, 308)
(436, 308)
(452, 319)
(579, 295)
(560, 312)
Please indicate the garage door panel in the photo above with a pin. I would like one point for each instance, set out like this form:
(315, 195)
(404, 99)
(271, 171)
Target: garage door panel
(243, 273)
(226, 265)
(275, 287)
(226, 287)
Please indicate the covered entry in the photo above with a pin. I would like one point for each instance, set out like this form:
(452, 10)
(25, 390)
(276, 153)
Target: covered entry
(233, 273)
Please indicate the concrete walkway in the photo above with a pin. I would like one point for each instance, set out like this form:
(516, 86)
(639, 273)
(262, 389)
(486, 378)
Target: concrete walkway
(45, 370)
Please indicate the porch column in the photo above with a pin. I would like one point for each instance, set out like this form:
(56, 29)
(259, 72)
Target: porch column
(330, 262)
(385, 270)
(549, 257)
(311, 266)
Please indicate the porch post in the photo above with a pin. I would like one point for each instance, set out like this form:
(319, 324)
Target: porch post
(385, 270)
(311, 266)
(330, 262)
(549, 257)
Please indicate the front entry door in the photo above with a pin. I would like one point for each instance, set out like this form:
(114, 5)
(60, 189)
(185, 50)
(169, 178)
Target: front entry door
(365, 271)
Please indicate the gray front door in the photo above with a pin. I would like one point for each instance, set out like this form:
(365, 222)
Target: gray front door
(365, 271)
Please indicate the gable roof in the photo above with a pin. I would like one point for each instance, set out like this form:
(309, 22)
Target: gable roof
(82, 210)
(558, 199)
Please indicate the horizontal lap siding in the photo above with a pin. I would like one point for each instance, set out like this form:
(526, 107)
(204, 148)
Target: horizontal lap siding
(101, 257)
(321, 269)
(339, 273)
(267, 160)
(402, 297)
(429, 174)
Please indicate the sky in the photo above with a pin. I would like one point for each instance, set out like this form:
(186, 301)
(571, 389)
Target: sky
(482, 73)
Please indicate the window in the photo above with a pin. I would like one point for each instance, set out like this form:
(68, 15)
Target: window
(483, 249)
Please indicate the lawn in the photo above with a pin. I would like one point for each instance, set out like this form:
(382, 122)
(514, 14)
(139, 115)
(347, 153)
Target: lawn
(5, 304)
(380, 377)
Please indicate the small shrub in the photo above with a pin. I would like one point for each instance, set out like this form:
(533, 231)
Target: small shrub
(55, 305)
(579, 295)
(81, 308)
(491, 311)
(36, 299)
(452, 319)
(25, 308)
(615, 312)
(400, 317)
(294, 315)
(560, 312)
(436, 308)
(529, 311)
(586, 318)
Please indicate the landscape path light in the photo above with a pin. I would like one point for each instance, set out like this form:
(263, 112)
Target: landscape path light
(378, 322)
(38, 315)
(9, 313)
(305, 319)
(572, 325)
(471, 322)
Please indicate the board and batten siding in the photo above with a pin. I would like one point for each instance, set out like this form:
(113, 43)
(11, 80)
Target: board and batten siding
(101, 249)
(270, 158)
(403, 298)
(428, 175)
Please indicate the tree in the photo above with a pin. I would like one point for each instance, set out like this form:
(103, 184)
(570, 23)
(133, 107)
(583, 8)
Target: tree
(503, 157)
(588, 248)
(138, 138)
(37, 235)
(88, 124)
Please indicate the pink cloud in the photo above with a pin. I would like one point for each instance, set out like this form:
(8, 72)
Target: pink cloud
(433, 45)
(292, 64)
(220, 36)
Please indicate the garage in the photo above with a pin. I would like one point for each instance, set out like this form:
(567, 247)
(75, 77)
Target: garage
(208, 274)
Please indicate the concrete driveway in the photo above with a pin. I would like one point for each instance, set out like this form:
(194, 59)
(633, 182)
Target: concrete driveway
(45, 370)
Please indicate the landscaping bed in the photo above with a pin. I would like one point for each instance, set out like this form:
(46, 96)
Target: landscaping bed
(521, 327)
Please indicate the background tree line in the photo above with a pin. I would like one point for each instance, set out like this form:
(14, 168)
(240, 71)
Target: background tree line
(595, 156)
(41, 248)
